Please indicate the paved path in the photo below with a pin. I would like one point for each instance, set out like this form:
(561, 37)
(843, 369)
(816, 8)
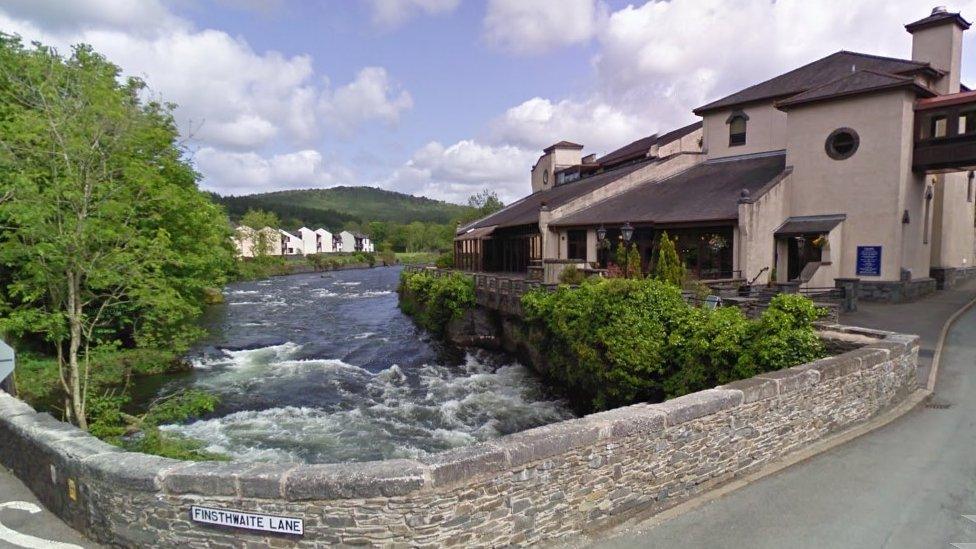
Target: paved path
(19, 527)
(908, 484)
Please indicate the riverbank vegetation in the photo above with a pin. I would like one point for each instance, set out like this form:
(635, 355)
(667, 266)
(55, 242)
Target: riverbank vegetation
(108, 248)
(612, 342)
(434, 301)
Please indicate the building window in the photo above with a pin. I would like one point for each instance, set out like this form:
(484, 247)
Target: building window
(842, 143)
(971, 191)
(938, 126)
(576, 245)
(967, 122)
(545, 177)
(737, 128)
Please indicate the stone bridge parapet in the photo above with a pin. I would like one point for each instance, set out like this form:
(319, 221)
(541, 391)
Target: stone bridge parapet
(539, 485)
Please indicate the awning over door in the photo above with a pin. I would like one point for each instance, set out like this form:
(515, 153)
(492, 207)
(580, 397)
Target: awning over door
(476, 234)
(808, 224)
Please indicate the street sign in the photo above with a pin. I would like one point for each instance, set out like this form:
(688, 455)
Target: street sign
(6, 361)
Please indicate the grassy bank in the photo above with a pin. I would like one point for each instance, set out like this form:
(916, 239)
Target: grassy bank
(256, 268)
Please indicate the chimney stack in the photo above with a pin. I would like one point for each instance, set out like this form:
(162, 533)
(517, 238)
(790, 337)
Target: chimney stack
(937, 40)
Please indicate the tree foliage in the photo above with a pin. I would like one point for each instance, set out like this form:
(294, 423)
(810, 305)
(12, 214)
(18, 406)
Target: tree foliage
(259, 219)
(105, 239)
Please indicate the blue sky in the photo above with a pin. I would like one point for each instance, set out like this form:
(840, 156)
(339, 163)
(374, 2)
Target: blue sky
(446, 97)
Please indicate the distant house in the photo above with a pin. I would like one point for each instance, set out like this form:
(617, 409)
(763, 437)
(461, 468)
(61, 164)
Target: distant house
(290, 244)
(310, 241)
(348, 241)
(363, 243)
(251, 243)
(324, 243)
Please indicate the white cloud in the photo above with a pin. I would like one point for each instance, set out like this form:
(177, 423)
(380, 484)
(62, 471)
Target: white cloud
(538, 123)
(249, 172)
(538, 26)
(393, 13)
(371, 96)
(235, 103)
(148, 17)
(457, 171)
(666, 58)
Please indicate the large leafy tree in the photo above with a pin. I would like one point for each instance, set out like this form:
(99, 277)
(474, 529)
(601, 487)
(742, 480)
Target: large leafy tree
(104, 236)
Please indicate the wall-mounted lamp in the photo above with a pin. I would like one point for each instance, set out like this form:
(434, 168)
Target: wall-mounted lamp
(601, 233)
(627, 231)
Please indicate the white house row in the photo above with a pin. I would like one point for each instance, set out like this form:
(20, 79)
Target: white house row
(304, 241)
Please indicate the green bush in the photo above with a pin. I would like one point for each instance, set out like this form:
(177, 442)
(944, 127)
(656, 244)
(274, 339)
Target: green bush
(612, 342)
(445, 260)
(435, 300)
(572, 275)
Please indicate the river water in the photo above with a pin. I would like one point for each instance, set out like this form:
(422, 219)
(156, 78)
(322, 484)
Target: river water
(324, 368)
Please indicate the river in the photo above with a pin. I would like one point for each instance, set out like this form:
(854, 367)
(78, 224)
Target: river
(324, 368)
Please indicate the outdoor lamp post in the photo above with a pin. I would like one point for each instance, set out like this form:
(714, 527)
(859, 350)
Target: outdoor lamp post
(627, 231)
(601, 233)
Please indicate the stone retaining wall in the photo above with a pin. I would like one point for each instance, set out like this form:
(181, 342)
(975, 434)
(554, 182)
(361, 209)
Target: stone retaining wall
(535, 486)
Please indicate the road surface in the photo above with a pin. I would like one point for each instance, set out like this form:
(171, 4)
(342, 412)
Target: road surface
(25, 523)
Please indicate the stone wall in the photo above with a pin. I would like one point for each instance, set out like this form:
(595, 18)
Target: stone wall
(896, 292)
(948, 277)
(536, 486)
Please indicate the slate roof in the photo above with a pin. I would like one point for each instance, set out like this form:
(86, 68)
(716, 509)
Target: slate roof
(862, 81)
(639, 148)
(815, 74)
(706, 192)
(526, 210)
(809, 224)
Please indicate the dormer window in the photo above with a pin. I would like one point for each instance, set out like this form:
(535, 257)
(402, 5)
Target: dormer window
(737, 128)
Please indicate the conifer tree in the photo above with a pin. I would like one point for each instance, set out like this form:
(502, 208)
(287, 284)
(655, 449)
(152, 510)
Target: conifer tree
(668, 267)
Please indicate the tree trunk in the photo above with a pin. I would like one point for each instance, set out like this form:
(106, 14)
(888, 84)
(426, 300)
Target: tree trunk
(74, 370)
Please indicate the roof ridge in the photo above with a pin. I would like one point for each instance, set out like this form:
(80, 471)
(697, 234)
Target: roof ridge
(849, 75)
(885, 57)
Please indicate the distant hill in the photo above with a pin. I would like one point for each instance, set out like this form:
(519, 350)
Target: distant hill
(338, 206)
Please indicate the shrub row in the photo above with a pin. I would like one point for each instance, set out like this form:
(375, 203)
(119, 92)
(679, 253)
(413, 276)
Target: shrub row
(613, 342)
(435, 300)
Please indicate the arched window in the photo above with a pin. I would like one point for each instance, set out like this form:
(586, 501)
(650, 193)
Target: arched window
(737, 128)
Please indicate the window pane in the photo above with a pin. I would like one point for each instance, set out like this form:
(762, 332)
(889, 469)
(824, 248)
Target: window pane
(967, 122)
(939, 125)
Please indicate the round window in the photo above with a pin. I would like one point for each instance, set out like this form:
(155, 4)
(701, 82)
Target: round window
(842, 143)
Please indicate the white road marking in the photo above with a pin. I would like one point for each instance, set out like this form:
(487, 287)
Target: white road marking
(23, 540)
(966, 545)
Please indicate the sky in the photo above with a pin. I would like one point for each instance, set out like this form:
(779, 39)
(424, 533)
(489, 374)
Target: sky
(444, 98)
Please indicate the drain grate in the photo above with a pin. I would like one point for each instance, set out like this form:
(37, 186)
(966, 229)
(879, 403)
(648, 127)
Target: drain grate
(938, 405)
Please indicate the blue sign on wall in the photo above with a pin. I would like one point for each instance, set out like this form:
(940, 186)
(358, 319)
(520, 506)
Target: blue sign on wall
(869, 261)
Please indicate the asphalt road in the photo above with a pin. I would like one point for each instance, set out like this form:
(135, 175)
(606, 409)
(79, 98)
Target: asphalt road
(25, 523)
(908, 484)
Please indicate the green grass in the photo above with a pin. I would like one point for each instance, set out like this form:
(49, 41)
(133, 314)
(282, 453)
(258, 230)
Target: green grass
(417, 258)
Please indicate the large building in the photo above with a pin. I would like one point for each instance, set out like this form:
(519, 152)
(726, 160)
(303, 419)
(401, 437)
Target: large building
(852, 166)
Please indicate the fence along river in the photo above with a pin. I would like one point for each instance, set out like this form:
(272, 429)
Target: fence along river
(324, 368)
